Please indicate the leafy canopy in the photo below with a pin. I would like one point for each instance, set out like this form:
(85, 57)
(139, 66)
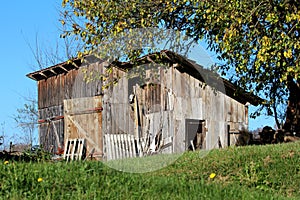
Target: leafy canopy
(258, 39)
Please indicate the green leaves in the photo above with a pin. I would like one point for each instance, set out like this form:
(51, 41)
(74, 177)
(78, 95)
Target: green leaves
(259, 39)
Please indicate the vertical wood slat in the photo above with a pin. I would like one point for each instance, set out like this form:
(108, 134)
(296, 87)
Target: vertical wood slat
(116, 155)
(119, 150)
(125, 151)
(130, 150)
(81, 148)
(120, 146)
(116, 147)
(74, 149)
(112, 153)
(108, 147)
(127, 143)
(113, 147)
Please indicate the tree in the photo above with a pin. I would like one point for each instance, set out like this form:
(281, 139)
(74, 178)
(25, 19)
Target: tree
(258, 39)
(26, 119)
(45, 55)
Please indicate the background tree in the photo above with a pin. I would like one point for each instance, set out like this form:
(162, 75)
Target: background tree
(3, 137)
(258, 39)
(26, 119)
(45, 55)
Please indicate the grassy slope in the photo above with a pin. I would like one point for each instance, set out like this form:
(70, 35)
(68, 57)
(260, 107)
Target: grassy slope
(264, 172)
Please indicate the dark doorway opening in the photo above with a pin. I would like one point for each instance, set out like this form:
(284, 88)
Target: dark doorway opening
(228, 135)
(195, 134)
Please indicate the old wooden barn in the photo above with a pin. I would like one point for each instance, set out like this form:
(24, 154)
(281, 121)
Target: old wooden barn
(124, 112)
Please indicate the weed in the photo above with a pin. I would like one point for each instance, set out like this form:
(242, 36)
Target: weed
(253, 175)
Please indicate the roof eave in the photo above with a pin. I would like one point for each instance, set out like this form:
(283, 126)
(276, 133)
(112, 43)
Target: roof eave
(55, 70)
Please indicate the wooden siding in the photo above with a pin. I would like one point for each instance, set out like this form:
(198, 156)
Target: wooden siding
(49, 128)
(163, 107)
(181, 97)
(54, 90)
(83, 120)
(51, 95)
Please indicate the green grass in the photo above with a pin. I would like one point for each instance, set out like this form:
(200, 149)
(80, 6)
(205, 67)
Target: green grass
(254, 172)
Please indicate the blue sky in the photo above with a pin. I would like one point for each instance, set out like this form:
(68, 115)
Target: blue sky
(20, 22)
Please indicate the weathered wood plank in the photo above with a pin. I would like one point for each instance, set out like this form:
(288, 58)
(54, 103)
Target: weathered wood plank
(86, 126)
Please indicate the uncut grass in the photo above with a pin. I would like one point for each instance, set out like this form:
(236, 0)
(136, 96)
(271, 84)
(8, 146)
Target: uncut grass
(274, 168)
(265, 172)
(93, 180)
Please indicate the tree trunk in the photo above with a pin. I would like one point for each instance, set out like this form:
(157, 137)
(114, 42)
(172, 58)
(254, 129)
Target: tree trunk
(292, 122)
(276, 117)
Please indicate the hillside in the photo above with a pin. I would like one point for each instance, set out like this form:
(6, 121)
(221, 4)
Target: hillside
(252, 172)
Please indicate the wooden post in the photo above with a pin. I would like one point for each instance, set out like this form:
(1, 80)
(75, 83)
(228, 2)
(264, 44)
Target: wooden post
(10, 147)
(137, 127)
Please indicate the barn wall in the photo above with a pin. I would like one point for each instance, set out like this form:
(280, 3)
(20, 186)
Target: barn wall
(193, 101)
(54, 90)
(47, 130)
(221, 111)
(237, 119)
(181, 97)
(164, 109)
(155, 112)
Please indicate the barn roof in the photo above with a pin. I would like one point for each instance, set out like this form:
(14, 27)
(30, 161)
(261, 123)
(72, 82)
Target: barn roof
(185, 66)
(55, 70)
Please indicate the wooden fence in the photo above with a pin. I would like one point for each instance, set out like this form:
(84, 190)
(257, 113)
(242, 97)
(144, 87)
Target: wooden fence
(119, 146)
